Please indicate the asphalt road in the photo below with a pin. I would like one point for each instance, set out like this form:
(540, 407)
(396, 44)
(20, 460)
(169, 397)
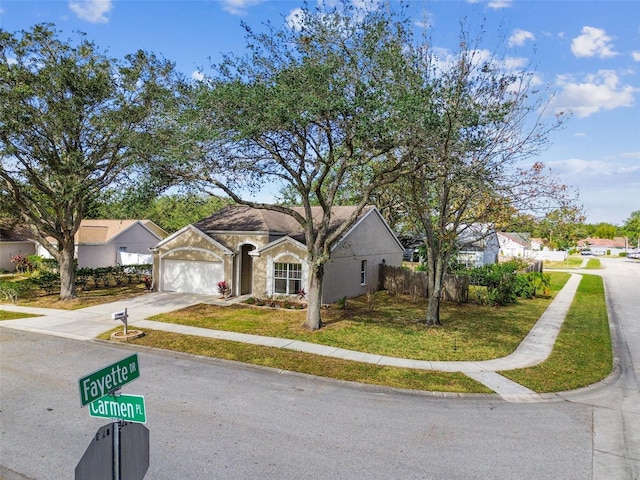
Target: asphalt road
(211, 419)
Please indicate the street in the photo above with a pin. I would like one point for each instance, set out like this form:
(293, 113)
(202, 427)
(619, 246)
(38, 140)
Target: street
(211, 419)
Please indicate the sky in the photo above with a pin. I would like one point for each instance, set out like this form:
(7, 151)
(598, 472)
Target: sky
(586, 52)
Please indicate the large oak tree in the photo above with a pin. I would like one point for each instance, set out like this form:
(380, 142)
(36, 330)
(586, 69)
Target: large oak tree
(312, 106)
(72, 121)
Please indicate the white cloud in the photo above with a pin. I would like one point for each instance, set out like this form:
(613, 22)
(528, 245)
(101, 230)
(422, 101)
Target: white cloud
(499, 4)
(594, 42)
(197, 75)
(600, 91)
(93, 11)
(295, 19)
(238, 7)
(636, 56)
(519, 37)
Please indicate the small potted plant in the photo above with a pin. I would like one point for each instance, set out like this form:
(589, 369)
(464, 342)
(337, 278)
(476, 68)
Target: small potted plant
(223, 288)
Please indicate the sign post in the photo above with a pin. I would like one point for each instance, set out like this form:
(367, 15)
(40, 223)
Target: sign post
(121, 315)
(108, 379)
(100, 390)
(129, 408)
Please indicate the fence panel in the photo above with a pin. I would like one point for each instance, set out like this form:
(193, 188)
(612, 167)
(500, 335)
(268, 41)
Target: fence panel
(398, 280)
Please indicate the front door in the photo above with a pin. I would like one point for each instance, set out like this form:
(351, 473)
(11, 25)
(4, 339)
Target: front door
(246, 270)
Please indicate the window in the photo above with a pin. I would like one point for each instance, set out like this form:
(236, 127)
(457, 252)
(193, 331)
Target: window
(287, 277)
(363, 272)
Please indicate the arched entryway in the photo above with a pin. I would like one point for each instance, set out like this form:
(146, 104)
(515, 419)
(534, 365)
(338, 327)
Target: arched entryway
(246, 269)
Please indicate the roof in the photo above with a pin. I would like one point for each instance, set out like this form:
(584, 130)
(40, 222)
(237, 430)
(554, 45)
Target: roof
(12, 232)
(617, 242)
(523, 239)
(241, 218)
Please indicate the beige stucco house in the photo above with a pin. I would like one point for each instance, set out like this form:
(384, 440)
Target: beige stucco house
(262, 253)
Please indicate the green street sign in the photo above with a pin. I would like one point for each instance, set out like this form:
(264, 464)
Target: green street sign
(100, 383)
(124, 407)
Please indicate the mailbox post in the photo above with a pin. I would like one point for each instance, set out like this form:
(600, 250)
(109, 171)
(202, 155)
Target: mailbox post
(122, 316)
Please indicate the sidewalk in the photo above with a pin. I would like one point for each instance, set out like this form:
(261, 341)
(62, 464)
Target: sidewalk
(86, 324)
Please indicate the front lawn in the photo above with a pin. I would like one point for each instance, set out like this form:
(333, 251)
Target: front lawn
(394, 327)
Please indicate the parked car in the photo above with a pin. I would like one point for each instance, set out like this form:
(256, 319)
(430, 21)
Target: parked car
(586, 252)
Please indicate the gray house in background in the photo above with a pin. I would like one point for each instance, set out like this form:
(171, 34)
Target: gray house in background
(14, 240)
(105, 243)
(477, 246)
(263, 253)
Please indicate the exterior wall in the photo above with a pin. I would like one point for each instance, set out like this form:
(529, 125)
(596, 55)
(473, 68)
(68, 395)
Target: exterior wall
(9, 249)
(371, 241)
(286, 252)
(509, 248)
(190, 245)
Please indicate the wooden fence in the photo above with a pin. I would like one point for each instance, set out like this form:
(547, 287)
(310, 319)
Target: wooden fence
(398, 280)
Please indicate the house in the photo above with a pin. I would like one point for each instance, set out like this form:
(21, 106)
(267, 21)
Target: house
(104, 243)
(15, 239)
(477, 246)
(513, 244)
(604, 246)
(263, 253)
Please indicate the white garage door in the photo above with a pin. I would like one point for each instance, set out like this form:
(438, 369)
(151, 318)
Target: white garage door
(191, 277)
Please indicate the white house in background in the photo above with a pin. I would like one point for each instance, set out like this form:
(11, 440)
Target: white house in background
(263, 253)
(14, 240)
(104, 243)
(477, 245)
(513, 244)
(604, 246)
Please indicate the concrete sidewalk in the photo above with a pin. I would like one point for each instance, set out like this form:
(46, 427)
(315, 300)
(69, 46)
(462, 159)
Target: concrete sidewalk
(86, 324)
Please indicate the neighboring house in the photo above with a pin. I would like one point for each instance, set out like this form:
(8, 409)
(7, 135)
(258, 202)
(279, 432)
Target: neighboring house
(14, 240)
(477, 246)
(604, 246)
(513, 244)
(104, 243)
(263, 253)
(538, 244)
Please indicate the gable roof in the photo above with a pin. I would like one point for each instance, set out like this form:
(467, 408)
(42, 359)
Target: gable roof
(12, 232)
(241, 218)
(102, 231)
(617, 242)
(523, 239)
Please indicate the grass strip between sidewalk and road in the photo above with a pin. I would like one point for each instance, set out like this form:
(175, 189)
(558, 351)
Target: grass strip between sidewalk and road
(582, 355)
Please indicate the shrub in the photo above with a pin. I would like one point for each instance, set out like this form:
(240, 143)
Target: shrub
(223, 287)
(11, 291)
(47, 281)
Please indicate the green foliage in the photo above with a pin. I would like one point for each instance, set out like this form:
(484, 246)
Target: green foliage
(170, 212)
(505, 282)
(73, 122)
(12, 291)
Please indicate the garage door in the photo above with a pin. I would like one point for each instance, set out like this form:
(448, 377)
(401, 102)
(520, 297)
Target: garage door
(191, 277)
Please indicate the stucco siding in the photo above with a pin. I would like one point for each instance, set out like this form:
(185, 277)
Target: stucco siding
(369, 241)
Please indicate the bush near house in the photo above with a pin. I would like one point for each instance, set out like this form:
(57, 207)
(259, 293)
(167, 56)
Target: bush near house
(506, 282)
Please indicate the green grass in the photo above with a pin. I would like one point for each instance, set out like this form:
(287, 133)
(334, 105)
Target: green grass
(582, 353)
(310, 364)
(561, 372)
(394, 328)
(593, 264)
(7, 315)
(570, 262)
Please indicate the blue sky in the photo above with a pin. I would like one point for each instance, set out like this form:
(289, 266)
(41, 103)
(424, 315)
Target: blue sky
(588, 52)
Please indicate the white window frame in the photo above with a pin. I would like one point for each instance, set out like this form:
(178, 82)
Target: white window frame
(291, 273)
(363, 272)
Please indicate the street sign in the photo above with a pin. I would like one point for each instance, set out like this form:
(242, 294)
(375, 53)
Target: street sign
(123, 407)
(100, 383)
(97, 463)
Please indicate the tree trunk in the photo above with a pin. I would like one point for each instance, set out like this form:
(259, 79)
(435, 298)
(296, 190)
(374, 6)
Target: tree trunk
(67, 270)
(436, 275)
(314, 298)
